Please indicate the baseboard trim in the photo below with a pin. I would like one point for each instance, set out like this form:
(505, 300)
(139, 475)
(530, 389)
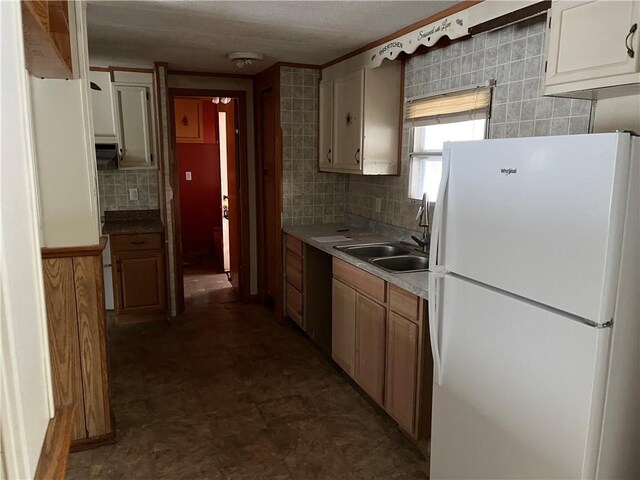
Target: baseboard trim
(56, 446)
(94, 442)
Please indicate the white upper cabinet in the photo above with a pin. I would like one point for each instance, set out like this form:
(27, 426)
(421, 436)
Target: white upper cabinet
(360, 121)
(104, 121)
(133, 118)
(593, 46)
(325, 145)
(348, 114)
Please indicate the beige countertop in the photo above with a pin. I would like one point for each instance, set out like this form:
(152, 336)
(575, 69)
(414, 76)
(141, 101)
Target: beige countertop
(416, 282)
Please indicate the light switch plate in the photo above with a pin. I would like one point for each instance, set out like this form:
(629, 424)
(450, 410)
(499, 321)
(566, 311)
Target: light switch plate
(188, 175)
(133, 194)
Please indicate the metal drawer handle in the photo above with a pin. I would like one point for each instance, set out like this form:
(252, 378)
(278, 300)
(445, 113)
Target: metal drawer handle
(357, 156)
(329, 156)
(628, 41)
(138, 242)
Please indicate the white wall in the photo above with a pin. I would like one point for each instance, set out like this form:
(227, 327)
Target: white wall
(63, 129)
(26, 398)
(621, 113)
(245, 85)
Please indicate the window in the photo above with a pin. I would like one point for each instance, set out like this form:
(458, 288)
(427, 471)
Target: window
(451, 117)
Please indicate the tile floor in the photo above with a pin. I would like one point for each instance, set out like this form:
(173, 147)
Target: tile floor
(224, 392)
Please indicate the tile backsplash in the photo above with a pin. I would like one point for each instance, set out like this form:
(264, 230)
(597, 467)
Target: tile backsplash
(309, 196)
(514, 57)
(113, 189)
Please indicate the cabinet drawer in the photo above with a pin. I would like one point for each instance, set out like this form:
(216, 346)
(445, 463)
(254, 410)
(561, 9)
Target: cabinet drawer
(362, 281)
(294, 270)
(294, 303)
(404, 303)
(294, 245)
(140, 241)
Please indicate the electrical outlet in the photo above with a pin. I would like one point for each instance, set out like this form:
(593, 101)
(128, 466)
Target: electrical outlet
(188, 176)
(378, 204)
(133, 194)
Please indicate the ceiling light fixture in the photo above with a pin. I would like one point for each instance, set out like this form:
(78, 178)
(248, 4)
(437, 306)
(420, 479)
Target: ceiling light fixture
(223, 100)
(241, 59)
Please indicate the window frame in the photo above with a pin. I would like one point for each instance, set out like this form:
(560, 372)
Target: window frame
(426, 121)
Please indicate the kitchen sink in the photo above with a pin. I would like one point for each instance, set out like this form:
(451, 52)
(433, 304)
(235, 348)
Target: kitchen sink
(374, 250)
(403, 263)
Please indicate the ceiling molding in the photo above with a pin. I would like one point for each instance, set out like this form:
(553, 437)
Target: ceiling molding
(409, 28)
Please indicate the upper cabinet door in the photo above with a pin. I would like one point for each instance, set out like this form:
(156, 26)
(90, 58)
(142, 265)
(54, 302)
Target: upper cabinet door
(104, 121)
(325, 145)
(589, 41)
(134, 125)
(188, 118)
(348, 115)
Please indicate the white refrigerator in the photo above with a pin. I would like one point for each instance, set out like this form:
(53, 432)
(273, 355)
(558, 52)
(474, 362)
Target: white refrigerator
(534, 312)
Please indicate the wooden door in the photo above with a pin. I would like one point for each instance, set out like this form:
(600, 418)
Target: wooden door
(402, 371)
(270, 220)
(577, 51)
(134, 125)
(233, 186)
(370, 346)
(189, 120)
(343, 323)
(140, 282)
(348, 121)
(325, 146)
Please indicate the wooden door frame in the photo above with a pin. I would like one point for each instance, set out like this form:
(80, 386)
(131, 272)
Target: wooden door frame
(242, 170)
(263, 82)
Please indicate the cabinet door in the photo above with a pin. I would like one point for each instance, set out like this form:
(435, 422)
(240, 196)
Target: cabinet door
(134, 125)
(294, 305)
(104, 122)
(370, 346)
(587, 40)
(140, 282)
(188, 119)
(402, 371)
(343, 323)
(347, 121)
(325, 146)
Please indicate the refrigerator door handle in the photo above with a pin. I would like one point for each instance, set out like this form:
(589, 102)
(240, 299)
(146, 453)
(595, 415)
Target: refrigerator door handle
(434, 322)
(437, 214)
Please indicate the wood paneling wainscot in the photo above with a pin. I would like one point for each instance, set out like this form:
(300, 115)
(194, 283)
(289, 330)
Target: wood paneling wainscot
(76, 316)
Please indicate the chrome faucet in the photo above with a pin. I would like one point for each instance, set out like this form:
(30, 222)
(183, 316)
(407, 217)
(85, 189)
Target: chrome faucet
(423, 221)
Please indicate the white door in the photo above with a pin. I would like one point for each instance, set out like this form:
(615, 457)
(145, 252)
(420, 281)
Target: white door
(104, 122)
(516, 391)
(538, 217)
(325, 149)
(134, 125)
(589, 40)
(348, 94)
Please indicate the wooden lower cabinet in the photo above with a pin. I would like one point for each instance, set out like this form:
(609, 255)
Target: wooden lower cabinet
(402, 371)
(370, 346)
(139, 280)
(379, 339)
(343, 328)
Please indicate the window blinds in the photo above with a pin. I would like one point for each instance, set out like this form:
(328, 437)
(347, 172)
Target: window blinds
(451, 107)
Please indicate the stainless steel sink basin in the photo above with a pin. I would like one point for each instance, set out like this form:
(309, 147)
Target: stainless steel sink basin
(403, 263)
(374, 250)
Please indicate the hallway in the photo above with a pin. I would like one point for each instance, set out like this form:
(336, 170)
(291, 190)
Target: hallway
(226, 393)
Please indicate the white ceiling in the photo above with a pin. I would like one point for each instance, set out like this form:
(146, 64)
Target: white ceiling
(197, 35)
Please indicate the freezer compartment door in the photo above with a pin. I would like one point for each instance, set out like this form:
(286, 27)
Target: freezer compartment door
(515, 397)
(539, 217)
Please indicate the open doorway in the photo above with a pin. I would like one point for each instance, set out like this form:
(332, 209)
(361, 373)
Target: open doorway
(206, 154)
